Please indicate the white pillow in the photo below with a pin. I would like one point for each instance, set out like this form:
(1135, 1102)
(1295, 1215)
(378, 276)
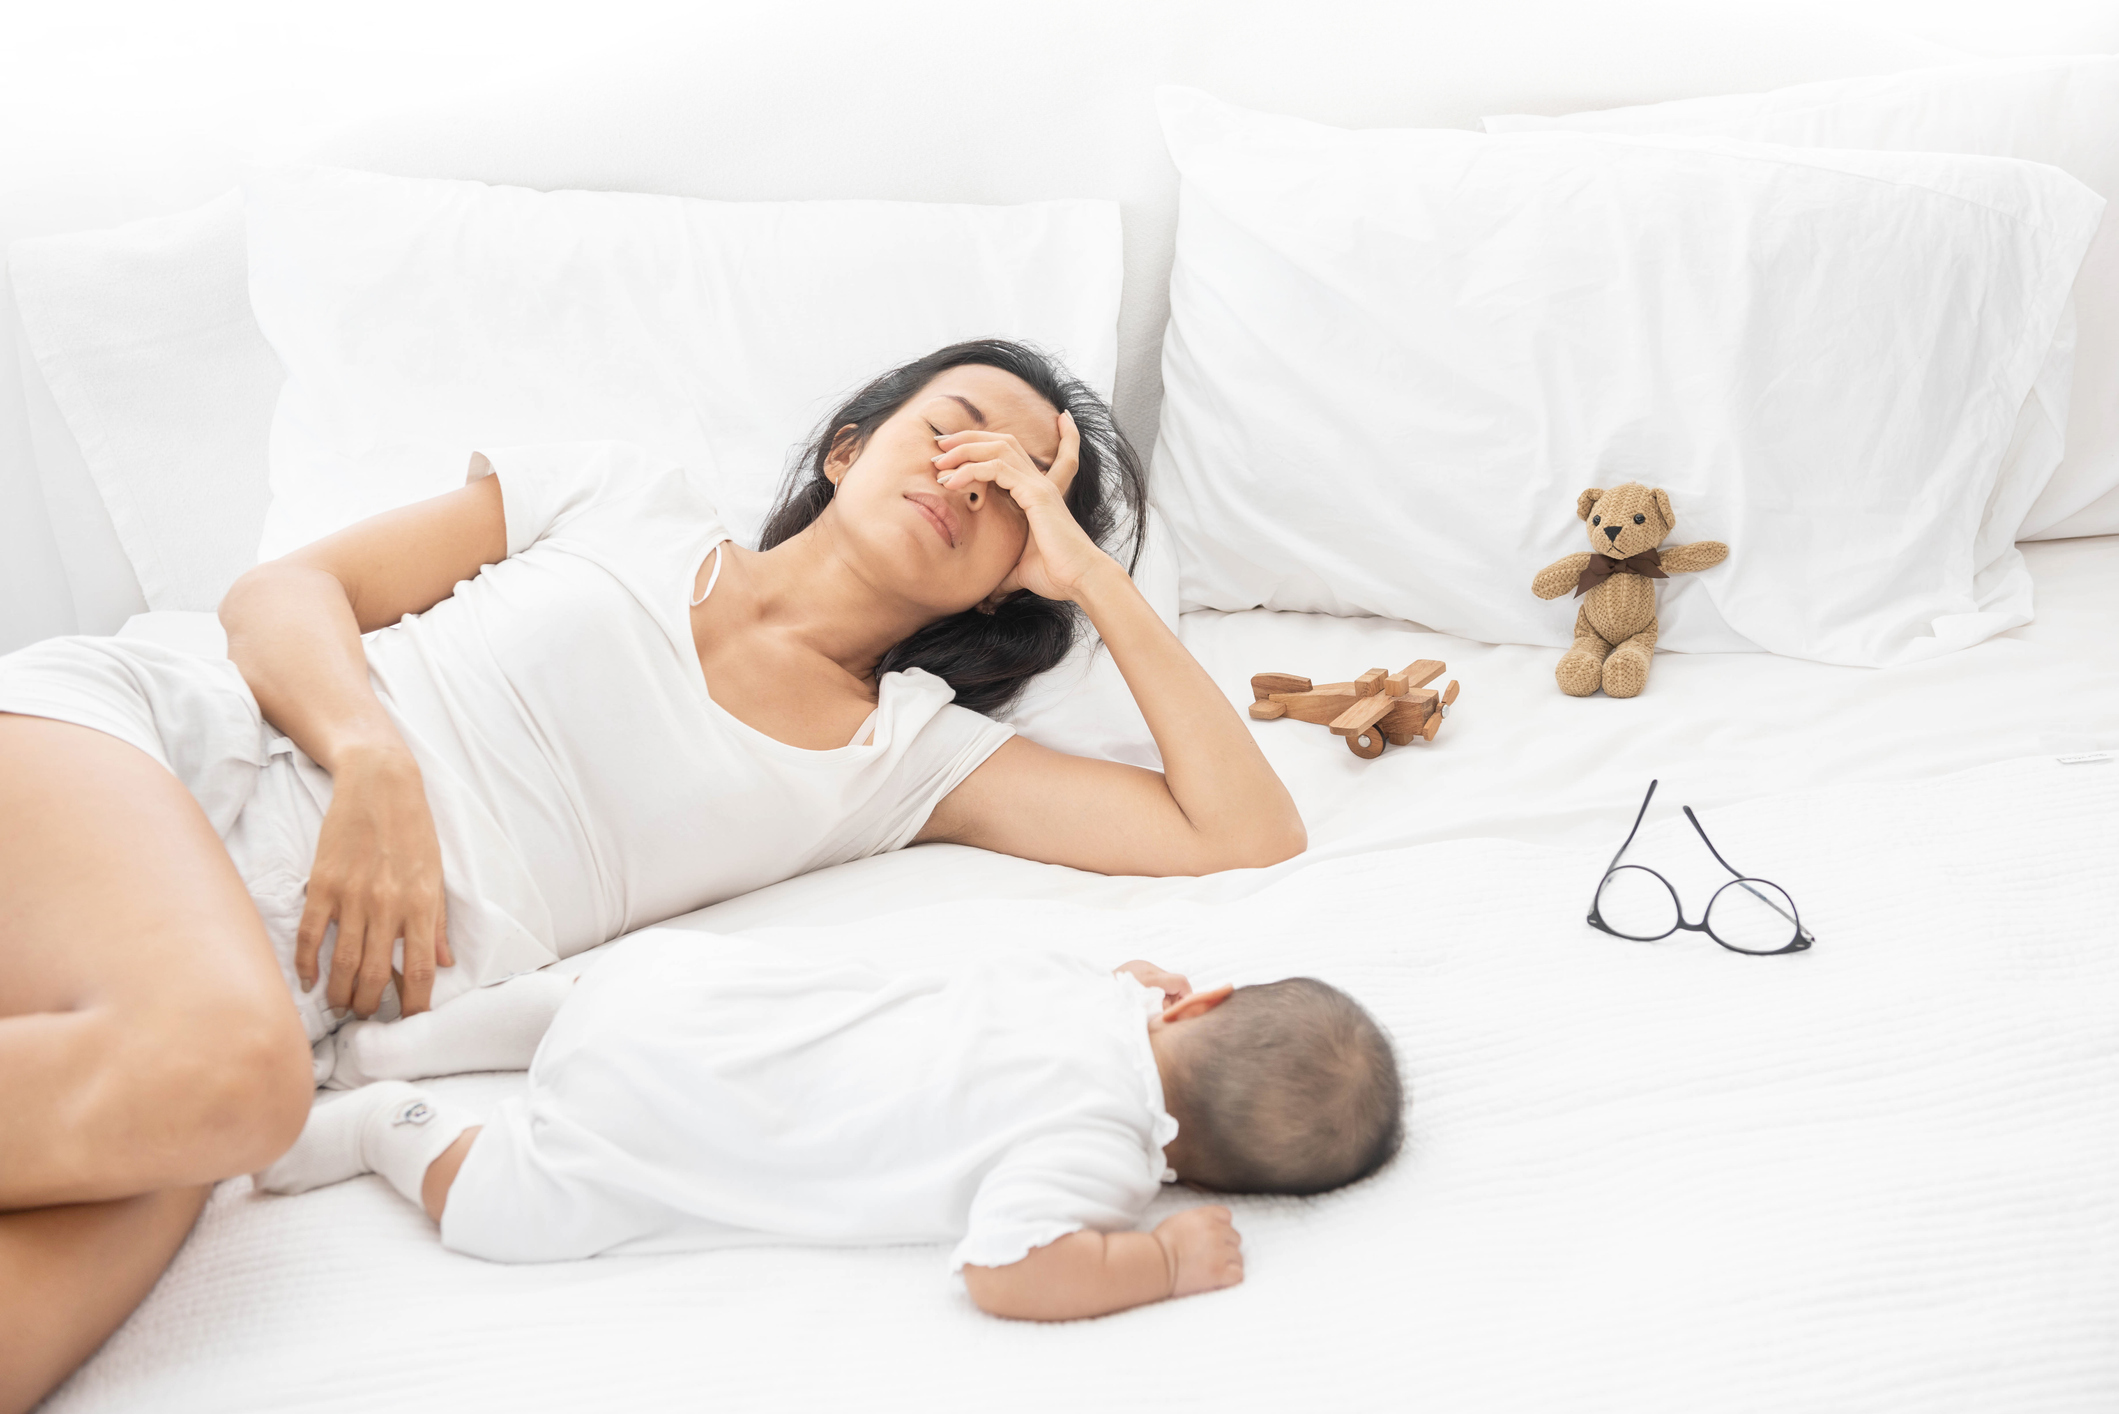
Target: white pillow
(2064, 111)
(1395, 357)
(418, 318)
(143, 334)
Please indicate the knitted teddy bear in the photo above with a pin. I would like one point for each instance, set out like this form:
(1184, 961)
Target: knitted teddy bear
(1615, 632)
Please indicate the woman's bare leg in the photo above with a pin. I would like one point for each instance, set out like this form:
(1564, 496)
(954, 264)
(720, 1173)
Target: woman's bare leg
(147, 1038)
(87, 1265)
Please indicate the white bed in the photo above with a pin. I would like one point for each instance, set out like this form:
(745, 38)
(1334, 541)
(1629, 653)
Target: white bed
(1879, 1176)
(1882, 1175)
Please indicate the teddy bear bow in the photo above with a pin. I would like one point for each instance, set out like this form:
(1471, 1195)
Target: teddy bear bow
(1603, 567)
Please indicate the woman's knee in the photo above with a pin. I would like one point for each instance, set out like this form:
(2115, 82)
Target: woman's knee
(137, 1099)
(273, 1087)
(237, 1080)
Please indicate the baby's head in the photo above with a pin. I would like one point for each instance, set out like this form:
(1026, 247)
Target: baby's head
(1285, 1088)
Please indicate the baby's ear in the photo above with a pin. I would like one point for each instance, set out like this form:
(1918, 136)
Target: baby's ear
(1585, 501)
(1198, 1004)
(1662, 505)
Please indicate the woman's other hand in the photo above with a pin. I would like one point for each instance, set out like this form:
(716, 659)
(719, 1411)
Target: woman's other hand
(1173, 987)
(1058, 555)
(378, 875)
(294, 630)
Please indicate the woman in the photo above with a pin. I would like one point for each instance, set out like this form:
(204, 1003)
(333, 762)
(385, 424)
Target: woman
(604, 713)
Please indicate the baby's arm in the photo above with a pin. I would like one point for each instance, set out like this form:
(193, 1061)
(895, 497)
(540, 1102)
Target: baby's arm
(1174, 987)
(493, 1028)
(1090, 1273)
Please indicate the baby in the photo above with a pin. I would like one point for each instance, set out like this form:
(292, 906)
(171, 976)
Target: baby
(696, 1092)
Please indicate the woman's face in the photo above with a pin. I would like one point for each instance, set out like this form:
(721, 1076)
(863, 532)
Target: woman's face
(943, 548)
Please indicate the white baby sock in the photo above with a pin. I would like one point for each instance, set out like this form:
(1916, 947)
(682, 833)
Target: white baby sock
(493, 1028)
(392, 1128)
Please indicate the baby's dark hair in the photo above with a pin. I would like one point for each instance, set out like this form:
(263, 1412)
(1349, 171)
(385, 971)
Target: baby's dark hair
(1289, 1087)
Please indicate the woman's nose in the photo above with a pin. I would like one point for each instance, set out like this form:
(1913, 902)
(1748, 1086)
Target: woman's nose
(963, 494)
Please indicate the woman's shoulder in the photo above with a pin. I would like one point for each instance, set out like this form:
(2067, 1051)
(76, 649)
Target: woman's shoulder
(554, 487)
(919, 722)
(601, 468)
(919, 695)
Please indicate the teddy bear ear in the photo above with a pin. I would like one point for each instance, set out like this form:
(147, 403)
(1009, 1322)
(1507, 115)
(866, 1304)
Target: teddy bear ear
(1584, 501)
(1662, 505)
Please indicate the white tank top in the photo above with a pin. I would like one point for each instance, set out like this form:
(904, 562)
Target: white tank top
(577, 765)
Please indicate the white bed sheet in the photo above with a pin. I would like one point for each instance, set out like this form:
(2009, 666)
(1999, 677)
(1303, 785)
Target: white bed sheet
(1519, 759)
(1883, 1175)
(1639, 1178)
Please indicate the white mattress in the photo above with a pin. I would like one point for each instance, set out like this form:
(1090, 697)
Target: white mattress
(1882, 1175)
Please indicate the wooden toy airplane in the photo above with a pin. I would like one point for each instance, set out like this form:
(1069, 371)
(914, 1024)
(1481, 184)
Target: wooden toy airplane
(1372, 709)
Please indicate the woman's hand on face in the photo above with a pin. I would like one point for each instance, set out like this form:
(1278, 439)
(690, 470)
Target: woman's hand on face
(378, 874)
(1058, 554)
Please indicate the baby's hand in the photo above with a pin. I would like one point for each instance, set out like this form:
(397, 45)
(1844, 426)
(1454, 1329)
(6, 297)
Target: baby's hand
(1204, 1250)
(1173, 987)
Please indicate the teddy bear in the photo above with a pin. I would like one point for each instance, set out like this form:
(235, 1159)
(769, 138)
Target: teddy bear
(1616, 630)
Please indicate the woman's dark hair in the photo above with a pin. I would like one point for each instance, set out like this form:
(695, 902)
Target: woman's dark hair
(987, 658)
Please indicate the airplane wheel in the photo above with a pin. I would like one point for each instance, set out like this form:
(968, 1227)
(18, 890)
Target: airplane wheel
(1367, 743)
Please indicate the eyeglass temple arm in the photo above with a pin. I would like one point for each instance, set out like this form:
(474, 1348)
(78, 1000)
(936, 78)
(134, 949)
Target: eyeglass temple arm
(1639, 815)
(1701, 830)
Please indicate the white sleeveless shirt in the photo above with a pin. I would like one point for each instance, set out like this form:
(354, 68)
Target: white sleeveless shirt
(585, 781)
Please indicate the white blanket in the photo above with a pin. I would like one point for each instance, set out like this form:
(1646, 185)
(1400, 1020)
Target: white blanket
(1882, 1175)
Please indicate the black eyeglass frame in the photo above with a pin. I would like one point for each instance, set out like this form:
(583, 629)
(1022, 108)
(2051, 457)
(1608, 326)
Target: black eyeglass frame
(1800, 942)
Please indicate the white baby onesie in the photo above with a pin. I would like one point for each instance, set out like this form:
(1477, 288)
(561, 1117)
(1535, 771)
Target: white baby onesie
(699, 1091)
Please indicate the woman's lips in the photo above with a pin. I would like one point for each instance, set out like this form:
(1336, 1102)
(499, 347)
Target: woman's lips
(938, 514)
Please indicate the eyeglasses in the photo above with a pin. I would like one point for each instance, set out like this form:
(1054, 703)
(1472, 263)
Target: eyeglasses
(1745, 915)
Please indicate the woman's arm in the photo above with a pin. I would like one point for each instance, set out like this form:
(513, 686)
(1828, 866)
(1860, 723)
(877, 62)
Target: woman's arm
(294, 627)
(1215, 805)
(1095, 1273)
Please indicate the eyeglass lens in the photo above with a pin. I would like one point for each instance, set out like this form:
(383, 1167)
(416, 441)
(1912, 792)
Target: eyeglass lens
(1747, 915)
(1751, 915)
(1635, 903)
